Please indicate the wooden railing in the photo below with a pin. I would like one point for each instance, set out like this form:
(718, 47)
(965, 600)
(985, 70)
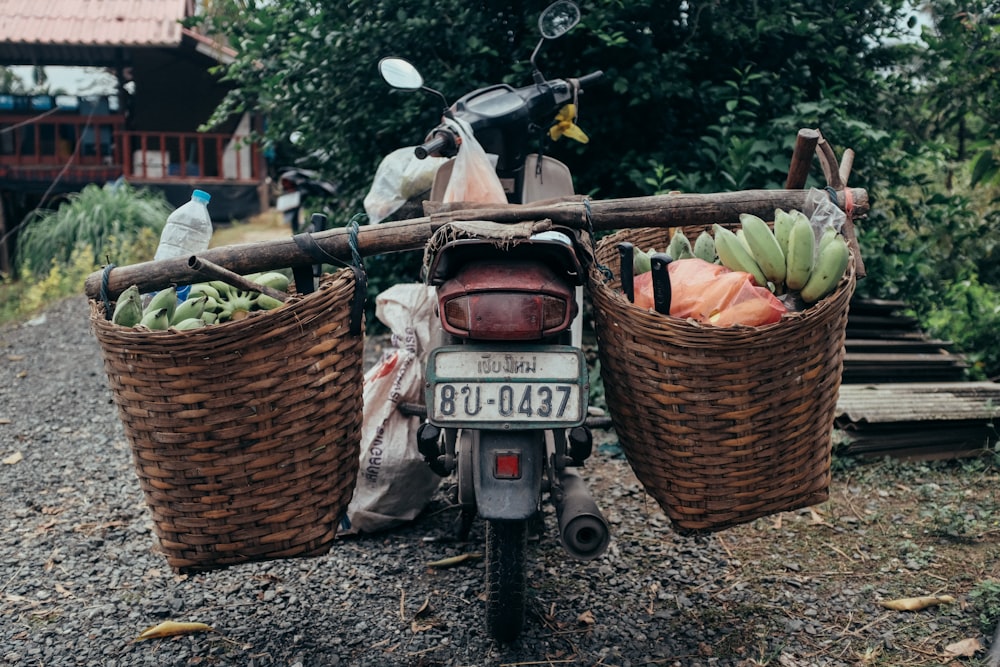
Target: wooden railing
(37, 144)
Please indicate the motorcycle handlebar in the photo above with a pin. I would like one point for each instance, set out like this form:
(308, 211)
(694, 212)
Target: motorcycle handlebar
(440, 141)
(589, 79)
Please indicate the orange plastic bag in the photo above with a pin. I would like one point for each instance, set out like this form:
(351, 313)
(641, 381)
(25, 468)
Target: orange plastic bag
(712, 294)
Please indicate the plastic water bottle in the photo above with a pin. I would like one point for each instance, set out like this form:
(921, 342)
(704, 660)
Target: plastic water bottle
(187, 232)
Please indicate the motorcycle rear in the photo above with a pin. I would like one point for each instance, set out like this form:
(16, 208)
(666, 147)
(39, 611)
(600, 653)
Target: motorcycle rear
(507, 389)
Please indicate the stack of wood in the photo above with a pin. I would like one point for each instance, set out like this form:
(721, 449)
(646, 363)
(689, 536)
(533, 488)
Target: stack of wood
(904, 393)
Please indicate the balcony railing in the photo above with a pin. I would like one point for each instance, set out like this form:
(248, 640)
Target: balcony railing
(33, 145)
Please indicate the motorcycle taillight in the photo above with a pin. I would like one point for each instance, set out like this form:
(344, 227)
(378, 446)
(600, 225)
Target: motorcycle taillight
(506, 301)
(287, 185)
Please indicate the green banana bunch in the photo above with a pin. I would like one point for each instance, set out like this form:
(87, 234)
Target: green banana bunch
(734, 255)
(828, 270)
(128, 309)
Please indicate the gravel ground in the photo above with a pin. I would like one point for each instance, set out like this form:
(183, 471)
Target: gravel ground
(80, 578)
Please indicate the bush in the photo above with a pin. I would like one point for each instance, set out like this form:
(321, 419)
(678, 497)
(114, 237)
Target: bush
(105, 219)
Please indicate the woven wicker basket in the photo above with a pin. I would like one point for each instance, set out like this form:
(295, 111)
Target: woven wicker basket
(245, 435)
(721, 425)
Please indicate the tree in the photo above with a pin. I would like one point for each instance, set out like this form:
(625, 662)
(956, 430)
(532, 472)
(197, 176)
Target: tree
(745, 76)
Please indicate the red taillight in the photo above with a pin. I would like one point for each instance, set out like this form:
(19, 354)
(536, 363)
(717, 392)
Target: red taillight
(507, 465)
(506, 315)
(287, 185)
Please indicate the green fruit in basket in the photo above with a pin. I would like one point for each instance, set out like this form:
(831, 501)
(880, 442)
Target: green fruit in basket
(800, 257)
(165, 298)
(157, 320)
(204, 288)
(829, 233)
(734, 256)
(273, 279)
(783, 222)
(189, 323)
(128, 310)
(704, 247)
(265, 302)
(209, 317)
(680, 246)
(764, 247)
(224, 289)
(192, 307)
(640, 262)
(828, 271)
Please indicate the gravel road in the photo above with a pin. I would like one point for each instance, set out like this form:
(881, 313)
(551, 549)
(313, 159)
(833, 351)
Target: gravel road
(80, 578)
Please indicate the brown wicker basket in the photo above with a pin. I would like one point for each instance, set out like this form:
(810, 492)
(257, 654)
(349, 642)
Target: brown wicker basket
(245, 435)
(721, 425)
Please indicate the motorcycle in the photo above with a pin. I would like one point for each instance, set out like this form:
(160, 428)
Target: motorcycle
(299, 185)
(507, 388)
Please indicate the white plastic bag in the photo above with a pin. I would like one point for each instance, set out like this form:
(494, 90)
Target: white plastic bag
(394, 483)
(474, 177)
(399, 177)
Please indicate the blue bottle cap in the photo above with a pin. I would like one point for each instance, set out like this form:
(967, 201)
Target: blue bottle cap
(202, 195)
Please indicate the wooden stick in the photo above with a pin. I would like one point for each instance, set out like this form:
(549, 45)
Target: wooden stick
(846, 164)
(802, 155)
(677, 210)
(828, 160)
(213, 271)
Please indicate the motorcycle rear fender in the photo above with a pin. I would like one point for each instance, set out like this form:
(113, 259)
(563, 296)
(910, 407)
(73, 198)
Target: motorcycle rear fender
(508, 499)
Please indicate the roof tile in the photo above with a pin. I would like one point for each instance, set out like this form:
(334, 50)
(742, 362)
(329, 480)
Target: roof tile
(92, 22)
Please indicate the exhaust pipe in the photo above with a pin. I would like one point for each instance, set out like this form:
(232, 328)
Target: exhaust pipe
(583, 530)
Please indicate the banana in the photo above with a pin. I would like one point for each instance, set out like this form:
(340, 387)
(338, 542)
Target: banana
(641, 262)
(680, 246)
(829, 233)
(273, 279)
(189, 323)
(704, 247)
(265, 302)
(828, 271)
(209, 317)
(165, 298)
(128, 309)
(764, 247)
(799, 260)
(224, 289)
(734, 256)
(193, 307)
(783, 222)
(204, 288)
(741, 235)
(157, 320)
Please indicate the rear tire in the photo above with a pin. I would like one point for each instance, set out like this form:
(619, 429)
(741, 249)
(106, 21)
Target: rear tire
(506, 555)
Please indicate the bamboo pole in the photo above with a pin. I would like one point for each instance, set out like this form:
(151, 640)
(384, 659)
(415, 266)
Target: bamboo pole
(673, 210)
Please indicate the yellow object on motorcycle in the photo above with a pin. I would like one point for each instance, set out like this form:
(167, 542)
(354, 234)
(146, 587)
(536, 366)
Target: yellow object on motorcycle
(566, 125)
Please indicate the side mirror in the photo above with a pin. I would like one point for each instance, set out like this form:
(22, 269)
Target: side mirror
(558, 19)
(400, 74)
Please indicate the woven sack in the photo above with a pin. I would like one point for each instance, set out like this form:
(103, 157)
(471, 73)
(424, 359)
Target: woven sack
(721, 425)
(245, 435)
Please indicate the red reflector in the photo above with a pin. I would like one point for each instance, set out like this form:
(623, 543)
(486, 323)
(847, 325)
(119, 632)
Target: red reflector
(508, 465)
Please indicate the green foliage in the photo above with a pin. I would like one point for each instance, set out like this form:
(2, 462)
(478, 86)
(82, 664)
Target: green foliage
(101, 218)
(969, 315)
(986, 598)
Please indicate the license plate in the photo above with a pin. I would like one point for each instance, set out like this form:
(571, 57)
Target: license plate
(288, 201)
(497, 388)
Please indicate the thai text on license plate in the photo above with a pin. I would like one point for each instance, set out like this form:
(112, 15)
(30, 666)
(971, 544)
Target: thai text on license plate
(478, 387)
